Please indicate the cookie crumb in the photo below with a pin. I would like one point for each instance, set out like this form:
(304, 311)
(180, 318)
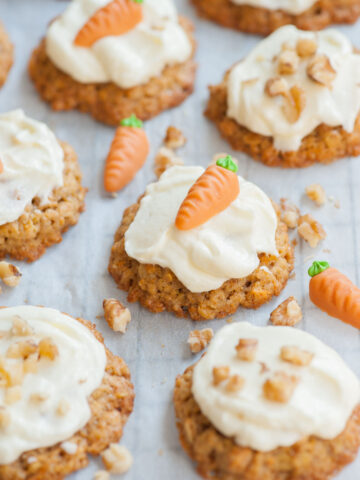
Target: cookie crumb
(246, 349)
(220, 374)
(316, 193)
(235, 384)
(199, 339)
(102, 475)
(288, 313)
(289, 214)
(117, 459)
(69, 447)
(296, 356)
(280, 387)
(10, 274)
(164, 159)
(174, 138)
(310, 230)
(116, 315)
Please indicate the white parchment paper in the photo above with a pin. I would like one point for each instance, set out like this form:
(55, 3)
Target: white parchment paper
(73, 275)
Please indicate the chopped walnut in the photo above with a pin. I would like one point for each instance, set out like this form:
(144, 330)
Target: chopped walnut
(4, 418)
(22, 349)
(288, 313)
(102, 475)
(288, 62)
(174, 138)
(31, 363)
(199, 339)
(310, 230)
(249, 81)
(289, 214)
(62, 408)
(13, 395)
(15, 374)
(235, 384)
(220, 374)
(294, 104)
(164, 159)
(246, 349)
(117, 459)
(38, 397)
(48, 349)
(316, 193)
(306, 47)
(9, 274)
(280, 387)
(116, 315)
(321, 71)
(296, 356)
(20, 327)
(276, 86)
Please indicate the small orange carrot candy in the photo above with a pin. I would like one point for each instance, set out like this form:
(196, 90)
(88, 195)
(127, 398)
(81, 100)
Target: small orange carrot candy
(212, 192)
(1, 166)
(128, 152)
(115, 18)
(334, 293)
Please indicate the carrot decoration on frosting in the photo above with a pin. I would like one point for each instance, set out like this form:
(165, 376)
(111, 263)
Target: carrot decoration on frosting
(334, 293)
(128, 152)
(115, 18)
(212, 192)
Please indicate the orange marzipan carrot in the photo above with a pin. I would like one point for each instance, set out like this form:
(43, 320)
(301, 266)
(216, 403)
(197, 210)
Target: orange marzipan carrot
(334, 293)
(128, 152)
(115, 18)
(213, 191)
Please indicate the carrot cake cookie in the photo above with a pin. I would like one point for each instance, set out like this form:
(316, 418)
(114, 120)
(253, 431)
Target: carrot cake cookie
(264, 16)
(63, 395)
(293, 101)
(113, 59)
(6, 54)
(238, 255)
(40, 187)
(268, 402)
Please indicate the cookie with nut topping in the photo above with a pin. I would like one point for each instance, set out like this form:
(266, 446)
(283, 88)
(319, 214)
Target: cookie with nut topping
(293, 101)
(6, 55)
(268, 402)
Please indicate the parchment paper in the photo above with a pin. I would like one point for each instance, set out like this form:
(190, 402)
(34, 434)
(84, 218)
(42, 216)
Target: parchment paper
(73, 275)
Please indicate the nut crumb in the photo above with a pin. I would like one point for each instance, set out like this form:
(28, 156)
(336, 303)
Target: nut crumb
(288, 313)
(4, 418)
(306, 47)
(164, 159)
(235, 384)
(288, 62)
(116, 315)
(20, 327)
(69, 447)
(310, 230)
(174, 138)
(280, 387)
(10, 274)
(62, 408)
(296, 356)
(289, 213)
(12, 395)
(48, 349)
(246, 349)
(321, 71)
(276, 86)
(220, 374)
(117, 459)
(294, 104)
(199, 339)
(38, 397)
(316, 193)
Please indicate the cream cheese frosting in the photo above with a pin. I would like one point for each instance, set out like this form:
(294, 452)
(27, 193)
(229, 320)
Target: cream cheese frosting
(326, 394)
(32, 163)
(126, 60)
(294, 7)
(225, 247)
(338, 105)
(67, 381)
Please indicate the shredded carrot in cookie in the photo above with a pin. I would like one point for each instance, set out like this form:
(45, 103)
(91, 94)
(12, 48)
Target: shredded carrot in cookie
(128, 152)
(212, 193)
(334, 293)
(116, 18)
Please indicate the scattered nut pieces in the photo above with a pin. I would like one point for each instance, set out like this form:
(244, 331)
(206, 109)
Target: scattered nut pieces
(310, 230)
(296, 356)
(316, 193)
(62, 408)
(199, 339)
(102, 475)
(289, 214)
(288, 313)
(12, 395)
(48, 349)
(294, 104)
(38, 397)
(10, 274)
(306, 47)
(280, 387)
(321, 71)
(220, 374)
(246, 349)
(164, 159)
(288, 62)
(117, 459)
(20, 327)
(116, 315)
(276, 86)
(235, 384)
(22, 349)
(4, 418)
(174, 138)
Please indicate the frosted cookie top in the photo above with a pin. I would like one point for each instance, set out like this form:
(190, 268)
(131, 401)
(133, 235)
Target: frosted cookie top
(50, 365)
(292, 82)
(291, 6)
(127, 60)
(203, 258)
(269, 387)
(31, 163)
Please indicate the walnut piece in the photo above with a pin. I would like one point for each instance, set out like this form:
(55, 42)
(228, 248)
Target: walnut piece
(20, 327)
(174, 138)
(199, 339)
(38, 397)
(22, 349)
(4, 418)
(12, 395)
(62, 408)
(164, 159)
(316, 193)
(234, 384)
(48, 349)
(296, 356)
(246, 349)
(116, 315)
(288, 313)
(306, 47)
(102, 475)
(220, 374)
(10, 274)
(294, 104)
(117, 459)
(321, 71)
(289, 214)
(276, 86)
(310, 230)
(280, 387)
(288, 62)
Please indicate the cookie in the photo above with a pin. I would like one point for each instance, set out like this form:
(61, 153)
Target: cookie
(205, 297)
(233, 456)
(255, 19)
(137, 85)
(108, 406)
(317, 127)
(6, 54)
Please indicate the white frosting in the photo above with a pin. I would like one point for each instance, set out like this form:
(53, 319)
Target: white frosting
(224, 247)
(32, 160)
(71, 378)
(126, 60)
(294, 7)
(321, 404)
(251, 107)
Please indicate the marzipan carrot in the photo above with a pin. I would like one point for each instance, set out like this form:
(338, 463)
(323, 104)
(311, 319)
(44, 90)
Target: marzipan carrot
(128, 152)
(1, 166)
(212, 192)
(334, 293)
(115, 18)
